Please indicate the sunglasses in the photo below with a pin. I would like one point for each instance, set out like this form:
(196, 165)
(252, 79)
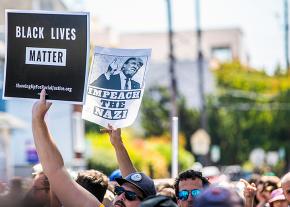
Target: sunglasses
(184, 194)
(129, 195)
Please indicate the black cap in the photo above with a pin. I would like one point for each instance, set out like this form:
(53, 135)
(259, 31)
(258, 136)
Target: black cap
(141, 181)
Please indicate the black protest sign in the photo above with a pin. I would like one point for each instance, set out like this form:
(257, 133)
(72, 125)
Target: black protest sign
(46, 50)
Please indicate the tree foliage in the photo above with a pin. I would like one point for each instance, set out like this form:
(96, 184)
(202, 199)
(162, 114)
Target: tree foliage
(251, 107)
(249, 110)
(155, 114)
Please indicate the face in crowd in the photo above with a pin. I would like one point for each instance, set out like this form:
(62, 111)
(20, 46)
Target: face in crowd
(39, 192)
(131, 67)
(286, 190)
(127, 195)
(188, 185)
(188, 190)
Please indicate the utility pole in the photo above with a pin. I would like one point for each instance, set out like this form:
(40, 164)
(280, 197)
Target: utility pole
(286, 34)
(173, 85)
(203, 117)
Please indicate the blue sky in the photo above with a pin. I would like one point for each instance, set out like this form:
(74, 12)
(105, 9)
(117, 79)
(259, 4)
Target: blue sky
(260, 20)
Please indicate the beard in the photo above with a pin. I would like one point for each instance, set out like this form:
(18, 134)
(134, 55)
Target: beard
(120, 203)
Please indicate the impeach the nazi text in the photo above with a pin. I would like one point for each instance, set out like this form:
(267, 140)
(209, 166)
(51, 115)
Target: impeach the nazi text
(111, 104)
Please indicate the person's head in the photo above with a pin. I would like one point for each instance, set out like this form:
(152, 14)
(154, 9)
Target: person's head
(265, 186)
(133, 189)
(131, 66)
(219, 197)
(285, 182)
(188, 185)
(166, 189)
(93, 181)
(39, 194)
(278, 199)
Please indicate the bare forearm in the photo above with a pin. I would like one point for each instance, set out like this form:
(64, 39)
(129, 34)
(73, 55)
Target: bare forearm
(48, 153)
(125, 164)
(54, 201)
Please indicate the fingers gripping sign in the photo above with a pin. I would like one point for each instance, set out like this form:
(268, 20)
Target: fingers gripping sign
(115, 135)
(41, 107)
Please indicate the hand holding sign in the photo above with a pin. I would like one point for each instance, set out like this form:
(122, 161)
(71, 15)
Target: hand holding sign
(53, 51)
(40, 107)
(115, 135)
(114, 92)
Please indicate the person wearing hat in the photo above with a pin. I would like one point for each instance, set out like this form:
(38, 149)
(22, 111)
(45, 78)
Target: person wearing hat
(278, 199)
(132, 190)
(134, 183)
(67, 190)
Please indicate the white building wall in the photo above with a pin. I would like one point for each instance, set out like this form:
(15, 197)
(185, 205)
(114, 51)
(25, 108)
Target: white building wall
(59, 119)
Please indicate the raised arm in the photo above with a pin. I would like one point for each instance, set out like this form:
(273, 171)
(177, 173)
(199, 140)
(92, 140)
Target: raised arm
(125, 164)
(67, 190)
(250, 191)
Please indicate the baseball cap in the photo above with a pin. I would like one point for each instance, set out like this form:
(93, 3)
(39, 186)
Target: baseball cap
(277, 195)
(158, 201)
(219, 197)
(141, 181)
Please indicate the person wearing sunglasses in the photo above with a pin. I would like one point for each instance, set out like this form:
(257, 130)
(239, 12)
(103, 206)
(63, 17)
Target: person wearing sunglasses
(68, 191)
(188, 185)
(133, 182)
(133, 189)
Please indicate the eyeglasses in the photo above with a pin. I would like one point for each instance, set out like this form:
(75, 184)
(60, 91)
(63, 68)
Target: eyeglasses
(129, 195)
(184, 194)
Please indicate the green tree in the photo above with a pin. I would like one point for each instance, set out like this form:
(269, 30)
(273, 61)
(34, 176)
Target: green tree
(155, 112)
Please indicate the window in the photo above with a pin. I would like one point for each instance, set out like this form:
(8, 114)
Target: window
(222, 54)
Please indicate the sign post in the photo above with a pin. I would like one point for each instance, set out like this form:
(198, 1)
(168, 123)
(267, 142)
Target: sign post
(174, 164)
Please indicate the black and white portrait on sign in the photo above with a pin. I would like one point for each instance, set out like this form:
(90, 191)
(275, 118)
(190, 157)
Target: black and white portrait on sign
(121, 72)
(116, 86)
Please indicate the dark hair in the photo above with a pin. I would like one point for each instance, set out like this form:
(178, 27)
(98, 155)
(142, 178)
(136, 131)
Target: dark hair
(95, 182)
(190, 174)
(162, 189)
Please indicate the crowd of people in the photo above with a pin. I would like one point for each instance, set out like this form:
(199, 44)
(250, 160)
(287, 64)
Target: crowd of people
(54, 185)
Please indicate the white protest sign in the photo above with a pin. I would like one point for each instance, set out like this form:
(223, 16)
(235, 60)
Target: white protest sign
(115, 86)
